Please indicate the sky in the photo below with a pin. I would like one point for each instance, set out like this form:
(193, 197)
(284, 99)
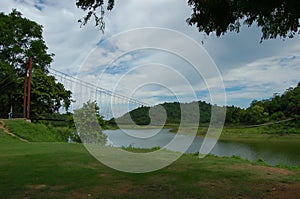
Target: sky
(147, 52)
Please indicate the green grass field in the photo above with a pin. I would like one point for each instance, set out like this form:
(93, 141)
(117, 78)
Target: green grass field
(5, 138)
(63, 170)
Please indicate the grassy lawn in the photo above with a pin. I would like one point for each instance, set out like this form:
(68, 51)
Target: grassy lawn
(5, 138)
(62, 170)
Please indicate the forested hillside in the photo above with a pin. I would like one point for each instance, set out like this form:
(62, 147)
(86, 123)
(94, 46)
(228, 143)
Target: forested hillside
(279, 107)
(140, 115)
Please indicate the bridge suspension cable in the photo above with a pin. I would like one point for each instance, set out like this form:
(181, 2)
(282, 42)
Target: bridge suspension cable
(106, 99)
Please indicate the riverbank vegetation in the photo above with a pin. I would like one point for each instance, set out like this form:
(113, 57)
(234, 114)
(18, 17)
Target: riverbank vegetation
(272, 132)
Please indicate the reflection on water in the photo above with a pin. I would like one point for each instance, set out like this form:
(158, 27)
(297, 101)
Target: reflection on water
(272, 153)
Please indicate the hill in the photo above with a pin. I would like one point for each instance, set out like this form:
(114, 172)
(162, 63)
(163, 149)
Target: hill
(172, 113)
(279, 107)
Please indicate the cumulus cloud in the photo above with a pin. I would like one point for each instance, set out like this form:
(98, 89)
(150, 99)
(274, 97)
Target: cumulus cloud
(63, 35)
(261, 78)
(249, 69)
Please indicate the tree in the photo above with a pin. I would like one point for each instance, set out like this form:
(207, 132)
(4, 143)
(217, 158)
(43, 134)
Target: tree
(20, 39)
(275, 18)
(48, 95)
(256, 114)
(234, 114)
(92, 7)
(8, 87)
(88, 123)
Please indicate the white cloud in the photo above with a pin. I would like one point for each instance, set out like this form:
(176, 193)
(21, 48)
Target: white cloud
(263, 77)
(257, 69)
(62, 33)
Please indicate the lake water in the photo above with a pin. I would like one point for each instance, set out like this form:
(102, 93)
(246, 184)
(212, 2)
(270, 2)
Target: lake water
(273, 153)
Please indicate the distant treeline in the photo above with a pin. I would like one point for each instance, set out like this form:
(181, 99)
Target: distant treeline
(279, 107)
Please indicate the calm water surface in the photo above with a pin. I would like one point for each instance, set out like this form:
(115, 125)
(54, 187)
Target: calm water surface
(273, 153)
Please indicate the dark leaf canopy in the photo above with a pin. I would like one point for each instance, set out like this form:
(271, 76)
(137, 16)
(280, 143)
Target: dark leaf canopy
(21, 38)
(278, 18)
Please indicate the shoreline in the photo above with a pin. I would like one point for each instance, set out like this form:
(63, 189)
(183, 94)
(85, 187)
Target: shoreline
(230, 133)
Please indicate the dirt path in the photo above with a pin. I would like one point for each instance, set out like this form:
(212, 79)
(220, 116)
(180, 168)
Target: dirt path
(2, 126)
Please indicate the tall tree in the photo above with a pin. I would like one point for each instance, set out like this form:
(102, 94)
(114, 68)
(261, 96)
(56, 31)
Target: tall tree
(21, 38)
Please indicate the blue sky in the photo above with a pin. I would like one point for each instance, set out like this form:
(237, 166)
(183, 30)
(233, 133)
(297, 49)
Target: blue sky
(249, 69)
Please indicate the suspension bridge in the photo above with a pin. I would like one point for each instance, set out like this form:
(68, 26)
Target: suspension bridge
(111, 104)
